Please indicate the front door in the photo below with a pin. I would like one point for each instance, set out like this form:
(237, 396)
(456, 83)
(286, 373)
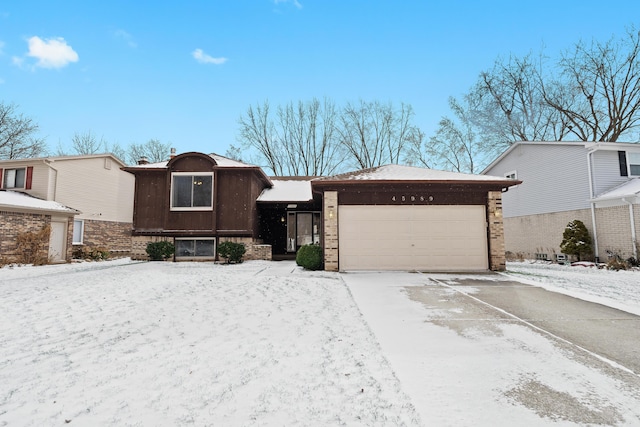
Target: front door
(57, 241)
(302, 229)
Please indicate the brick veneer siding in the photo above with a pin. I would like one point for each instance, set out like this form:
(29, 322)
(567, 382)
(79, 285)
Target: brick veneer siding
(255, 249)
(497, 261)
(14, 223)
(330, 217)
(526, 236)
(114, 236)
(614, 230)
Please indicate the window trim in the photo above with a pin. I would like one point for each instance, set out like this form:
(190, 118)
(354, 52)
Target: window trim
(636, 163)
(81, 242)
(195, 257)
(190, 208)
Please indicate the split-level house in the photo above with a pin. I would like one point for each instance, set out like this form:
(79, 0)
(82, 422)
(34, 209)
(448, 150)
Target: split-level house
(99, 192)
(391, 217)
(597, 183)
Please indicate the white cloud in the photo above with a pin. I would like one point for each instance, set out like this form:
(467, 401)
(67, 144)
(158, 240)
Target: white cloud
(296, 3)
(128, 38)
(51, 53)
(203, 58)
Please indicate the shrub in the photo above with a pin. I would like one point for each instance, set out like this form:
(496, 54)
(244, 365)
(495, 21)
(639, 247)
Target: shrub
(160, 251)
(310, 257)
(617, 264)
(232, 252)
(576, 240)
(91, 253)
(32, 246)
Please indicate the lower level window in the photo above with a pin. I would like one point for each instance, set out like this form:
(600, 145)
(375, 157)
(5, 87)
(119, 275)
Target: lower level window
(195, 248)
(78, 231)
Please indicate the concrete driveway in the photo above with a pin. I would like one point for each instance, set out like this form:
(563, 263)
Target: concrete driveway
(506, 352)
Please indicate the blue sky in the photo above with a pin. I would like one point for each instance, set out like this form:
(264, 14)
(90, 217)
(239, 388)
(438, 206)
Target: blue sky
(184, 71)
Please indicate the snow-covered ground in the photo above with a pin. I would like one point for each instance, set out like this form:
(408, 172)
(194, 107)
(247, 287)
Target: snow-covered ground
(260, 343)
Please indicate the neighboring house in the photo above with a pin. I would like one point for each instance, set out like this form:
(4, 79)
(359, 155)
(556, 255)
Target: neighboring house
(94, 185)
(594, 182)
(391, 217)
(21, 213)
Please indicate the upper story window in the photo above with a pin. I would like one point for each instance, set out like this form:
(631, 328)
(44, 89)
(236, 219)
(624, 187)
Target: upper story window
(511, 175)
(14, 178)
(191, 192)
(634, 163)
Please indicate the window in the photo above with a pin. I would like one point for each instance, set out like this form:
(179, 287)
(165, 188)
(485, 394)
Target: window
(191, 192)
(634, 163)
(196, 248)
(78, 231)
(14, 178)
(511, 175)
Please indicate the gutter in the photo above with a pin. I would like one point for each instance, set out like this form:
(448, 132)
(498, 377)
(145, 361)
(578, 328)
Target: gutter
(634, 246)
(593, 204)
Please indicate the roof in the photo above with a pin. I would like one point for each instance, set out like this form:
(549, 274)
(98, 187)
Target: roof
(17, 200)
(51, 159)
(220, 161)
(287, 191)
(589, 145)
(628, 189)
(410, 173)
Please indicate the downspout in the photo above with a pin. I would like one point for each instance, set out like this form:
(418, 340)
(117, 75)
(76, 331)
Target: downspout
(633, 228)
(593, 205)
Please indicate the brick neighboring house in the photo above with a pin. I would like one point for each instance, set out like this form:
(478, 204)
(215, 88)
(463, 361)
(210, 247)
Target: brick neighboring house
(597, 183)
(94, 185)
(391, 217)
(20, 213)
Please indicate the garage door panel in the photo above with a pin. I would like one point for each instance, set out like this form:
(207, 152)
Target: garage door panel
(435, 238)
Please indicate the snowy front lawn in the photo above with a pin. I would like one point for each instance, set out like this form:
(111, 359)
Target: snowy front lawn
(120, 343)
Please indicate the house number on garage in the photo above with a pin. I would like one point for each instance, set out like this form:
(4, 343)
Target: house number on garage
(411, 198)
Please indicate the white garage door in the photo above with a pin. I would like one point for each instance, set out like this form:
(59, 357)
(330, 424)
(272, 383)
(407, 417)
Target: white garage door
(426, 238)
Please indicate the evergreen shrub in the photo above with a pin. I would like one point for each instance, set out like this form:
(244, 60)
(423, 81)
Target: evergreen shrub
(160, 251)
(232, 252)
(310, 257)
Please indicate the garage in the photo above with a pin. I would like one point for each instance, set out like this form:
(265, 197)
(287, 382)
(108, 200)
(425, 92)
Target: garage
(423, 238)
(406, 218)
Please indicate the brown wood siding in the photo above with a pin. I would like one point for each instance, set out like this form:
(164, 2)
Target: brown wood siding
(192, 164)
(412, 194)
(236, 202)
(150, 200)
(192, 222)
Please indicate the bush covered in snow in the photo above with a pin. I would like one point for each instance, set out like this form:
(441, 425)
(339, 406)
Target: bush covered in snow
(576, 240)
(310, 257)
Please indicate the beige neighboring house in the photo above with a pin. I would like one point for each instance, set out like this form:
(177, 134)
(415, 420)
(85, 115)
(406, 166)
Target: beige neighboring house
(94, 185)
(20, 213)
(597, 183)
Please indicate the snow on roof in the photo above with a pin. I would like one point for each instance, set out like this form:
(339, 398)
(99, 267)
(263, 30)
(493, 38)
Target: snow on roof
(15, 199)
(408, 173)
(220, 161)
(287, 191)
(630, 188)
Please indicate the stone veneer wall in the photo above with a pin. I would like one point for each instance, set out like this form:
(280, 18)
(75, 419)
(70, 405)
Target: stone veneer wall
(255, 249)
(114, 236)
(330, 216)
(497, 261)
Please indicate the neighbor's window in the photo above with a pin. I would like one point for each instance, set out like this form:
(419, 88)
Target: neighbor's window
(191, 192)
(78, 231)
(195, 248)
(511, 175)
(634, 163)
(14, 178)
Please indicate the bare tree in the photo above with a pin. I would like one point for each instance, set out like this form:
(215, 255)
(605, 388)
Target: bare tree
(299, 140)
(374, 134)
(456, 146)
(598, 91)
(153, 150)
(16, 135)
(87, 143)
